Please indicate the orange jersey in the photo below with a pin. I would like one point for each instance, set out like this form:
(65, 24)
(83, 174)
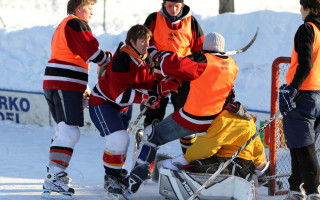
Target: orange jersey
(126, 78)
(59, 46)
(211, 78)
(73, 47)
(312, 82)
(178, 41)
(208, 93)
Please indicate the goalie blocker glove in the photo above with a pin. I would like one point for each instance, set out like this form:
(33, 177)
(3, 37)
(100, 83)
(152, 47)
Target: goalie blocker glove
(287, 93)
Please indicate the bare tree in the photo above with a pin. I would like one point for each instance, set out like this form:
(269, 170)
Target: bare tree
(226, 6)
(2, 22)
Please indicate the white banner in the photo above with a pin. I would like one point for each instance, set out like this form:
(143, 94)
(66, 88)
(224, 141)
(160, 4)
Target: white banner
(30, 108)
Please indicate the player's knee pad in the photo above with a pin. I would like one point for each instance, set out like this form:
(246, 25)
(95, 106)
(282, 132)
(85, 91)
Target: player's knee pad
(117, 142)
(147, 149)
(68, 135)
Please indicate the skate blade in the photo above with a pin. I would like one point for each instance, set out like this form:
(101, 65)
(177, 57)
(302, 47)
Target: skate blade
(111, 196)
(48, 194)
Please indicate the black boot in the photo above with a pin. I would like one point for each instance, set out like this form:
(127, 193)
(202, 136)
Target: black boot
(134, 180)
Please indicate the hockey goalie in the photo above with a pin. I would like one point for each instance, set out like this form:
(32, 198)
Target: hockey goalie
(181, 176)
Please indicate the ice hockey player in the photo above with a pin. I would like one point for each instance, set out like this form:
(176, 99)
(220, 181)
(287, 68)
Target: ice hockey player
(184, 37)
(212, 77)
(229, 131)
(128, 79)
(299, 103)
(65, 81)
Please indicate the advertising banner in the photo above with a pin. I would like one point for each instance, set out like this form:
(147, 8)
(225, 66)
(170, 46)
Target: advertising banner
(25, 107)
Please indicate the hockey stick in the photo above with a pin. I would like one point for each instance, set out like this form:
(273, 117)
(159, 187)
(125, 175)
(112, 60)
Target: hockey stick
(222, 166)
(228, 53)
(267, 178)
(134, 124)
(135, 138)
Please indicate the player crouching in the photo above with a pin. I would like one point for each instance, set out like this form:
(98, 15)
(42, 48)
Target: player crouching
(226, 135)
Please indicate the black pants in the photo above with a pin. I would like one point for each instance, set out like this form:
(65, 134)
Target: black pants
(305, 169)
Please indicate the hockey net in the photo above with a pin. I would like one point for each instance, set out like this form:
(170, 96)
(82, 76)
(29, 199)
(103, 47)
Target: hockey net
(279, 155)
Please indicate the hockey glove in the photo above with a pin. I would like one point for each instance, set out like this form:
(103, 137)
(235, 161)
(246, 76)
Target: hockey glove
(260, 172)
(151, 99)
(286, 95)
(168, 85)
(101, 69)
(152, 51)
(157, 58)
(174, 164)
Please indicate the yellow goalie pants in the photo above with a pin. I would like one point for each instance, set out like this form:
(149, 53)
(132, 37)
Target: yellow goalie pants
(227, 133)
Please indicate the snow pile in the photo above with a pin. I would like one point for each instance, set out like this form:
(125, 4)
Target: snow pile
(24, 52)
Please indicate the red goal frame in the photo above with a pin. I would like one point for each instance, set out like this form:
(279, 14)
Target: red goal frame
(274, 125)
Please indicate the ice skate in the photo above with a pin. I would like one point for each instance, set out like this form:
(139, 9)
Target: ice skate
(55, 188)
(113, 188)
(65, 179)
(314, 196)
(296, 195)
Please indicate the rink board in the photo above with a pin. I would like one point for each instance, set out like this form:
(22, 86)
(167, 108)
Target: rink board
(25, 107)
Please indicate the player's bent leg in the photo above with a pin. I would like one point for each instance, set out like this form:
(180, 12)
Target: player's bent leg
(146, 152)
(166, 131)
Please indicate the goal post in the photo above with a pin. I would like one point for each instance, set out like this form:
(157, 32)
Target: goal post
(279, 154)
(279, 68)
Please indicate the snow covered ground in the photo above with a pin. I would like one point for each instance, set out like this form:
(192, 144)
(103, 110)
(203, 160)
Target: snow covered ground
(24, 154)
(25, 49)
